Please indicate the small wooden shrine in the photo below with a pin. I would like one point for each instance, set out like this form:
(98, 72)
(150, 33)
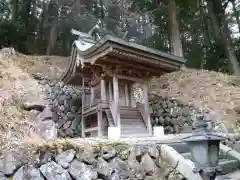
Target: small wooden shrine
(107, 70)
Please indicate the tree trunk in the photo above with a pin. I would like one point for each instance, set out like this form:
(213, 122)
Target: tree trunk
(230, 50)
(207, 36)
(28, 4)
(34, 6)
(174, 32)
(43, 17)
(14, 5)
(214, 21)
(52, 39)
(236, 14)
(223, 37)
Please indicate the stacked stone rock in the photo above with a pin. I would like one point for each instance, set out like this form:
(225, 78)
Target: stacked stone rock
(233, 142)
(65, 102)
(172, 114)
(102, 162)
(178, 117)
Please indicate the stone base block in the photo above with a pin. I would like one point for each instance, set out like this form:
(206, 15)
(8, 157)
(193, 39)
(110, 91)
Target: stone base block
(114, 133)
(158, 131)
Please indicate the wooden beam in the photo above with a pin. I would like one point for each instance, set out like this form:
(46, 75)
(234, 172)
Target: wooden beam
(114, 61)
(133, 79)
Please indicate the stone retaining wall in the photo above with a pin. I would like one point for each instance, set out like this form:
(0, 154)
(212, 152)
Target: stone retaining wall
(65, 102)
(178, 117)
(175, 116)
(100, 161)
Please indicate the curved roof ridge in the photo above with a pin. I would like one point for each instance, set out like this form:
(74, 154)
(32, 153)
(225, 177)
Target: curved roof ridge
(121, 42)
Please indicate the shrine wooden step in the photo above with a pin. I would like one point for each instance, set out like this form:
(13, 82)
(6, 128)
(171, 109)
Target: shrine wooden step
(129, 122)
(125, 132)
(134, 135)
(133, 129)
(131, 117)
(136, 127)
(129, 110)
(127, 107)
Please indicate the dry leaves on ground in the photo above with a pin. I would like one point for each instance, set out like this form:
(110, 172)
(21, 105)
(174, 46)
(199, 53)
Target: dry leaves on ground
(204, 89)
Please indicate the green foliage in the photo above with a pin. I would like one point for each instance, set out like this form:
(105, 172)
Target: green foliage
(30, 32)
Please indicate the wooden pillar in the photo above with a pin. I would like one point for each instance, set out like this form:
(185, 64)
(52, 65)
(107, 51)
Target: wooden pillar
(110, 91)
(146, 107)
(92, 95)
(83, 103)
(116, 99)
(99, 115)
(103, 90)
(130, 95)
(127, 94)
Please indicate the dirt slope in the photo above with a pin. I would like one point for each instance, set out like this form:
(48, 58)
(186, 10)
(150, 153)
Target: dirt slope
(50, 66)
(204, 89)
(17, 87)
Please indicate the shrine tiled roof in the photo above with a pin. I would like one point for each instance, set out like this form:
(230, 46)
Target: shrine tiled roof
(128, 52)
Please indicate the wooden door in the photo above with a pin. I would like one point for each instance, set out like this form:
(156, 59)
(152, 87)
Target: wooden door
(122, 95)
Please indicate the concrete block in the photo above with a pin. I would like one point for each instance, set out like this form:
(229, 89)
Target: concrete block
(114, 133)
(158, 131)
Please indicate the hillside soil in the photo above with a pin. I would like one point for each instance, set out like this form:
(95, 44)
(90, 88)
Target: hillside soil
(17, 86)
(205, 89)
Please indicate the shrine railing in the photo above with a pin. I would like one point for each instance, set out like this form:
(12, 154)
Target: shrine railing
(92, 105)
(96, 103)
(113, 111)
(146, 117)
